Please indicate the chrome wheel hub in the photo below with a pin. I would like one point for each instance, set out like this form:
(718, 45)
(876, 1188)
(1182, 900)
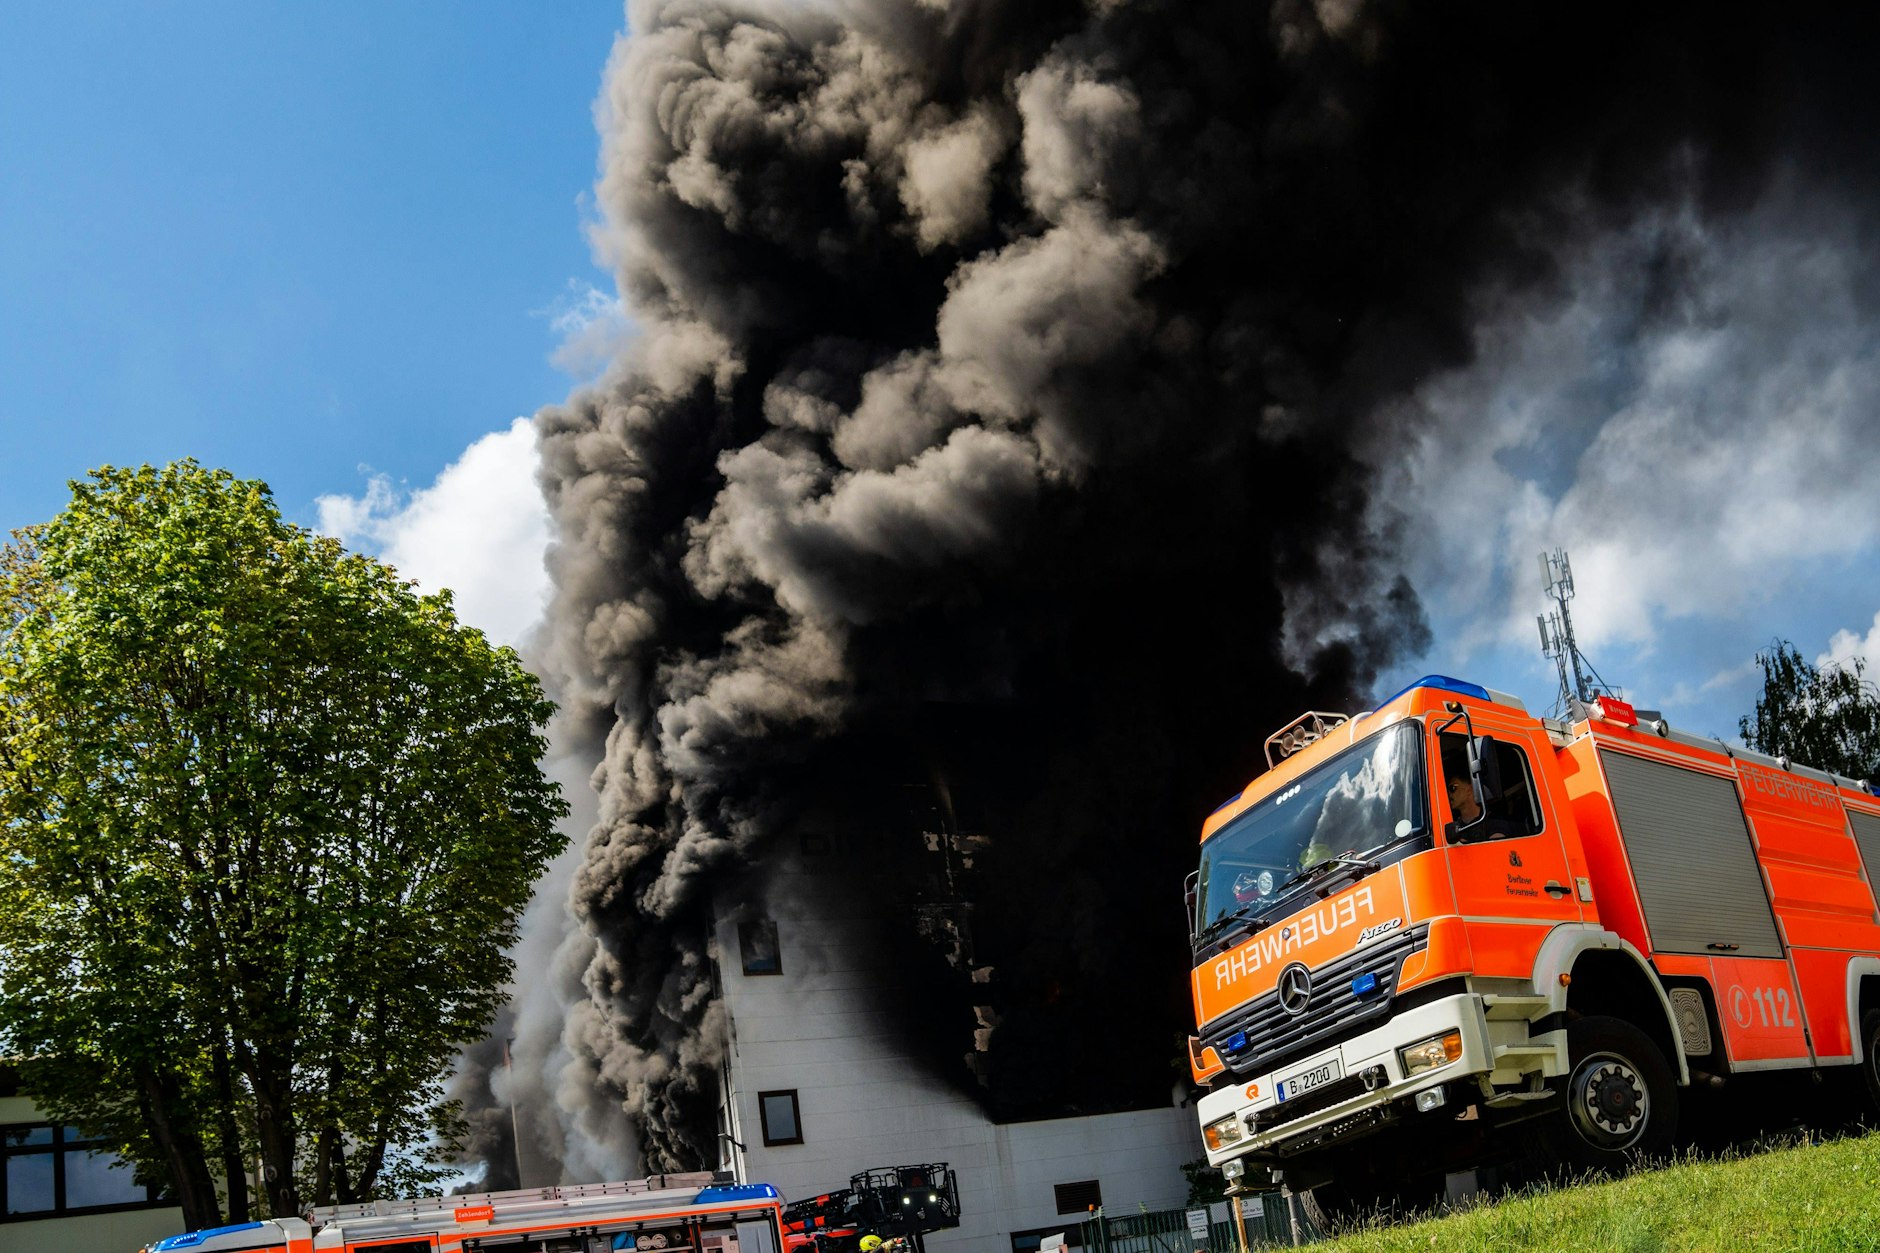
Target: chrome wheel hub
(1611, 1103)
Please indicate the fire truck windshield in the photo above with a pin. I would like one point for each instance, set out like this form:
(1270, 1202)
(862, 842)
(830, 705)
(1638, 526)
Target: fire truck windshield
(1366, 799)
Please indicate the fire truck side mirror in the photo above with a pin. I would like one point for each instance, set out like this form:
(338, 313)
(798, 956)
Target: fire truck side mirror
(1485, 769)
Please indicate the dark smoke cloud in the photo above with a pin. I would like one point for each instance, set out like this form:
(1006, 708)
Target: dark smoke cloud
(1009, 387)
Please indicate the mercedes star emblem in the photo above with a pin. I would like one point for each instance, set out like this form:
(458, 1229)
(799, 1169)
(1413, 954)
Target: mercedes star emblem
(1295, 988)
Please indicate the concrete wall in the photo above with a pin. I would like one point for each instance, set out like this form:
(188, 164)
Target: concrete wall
(865, 1102)
(122, 1231)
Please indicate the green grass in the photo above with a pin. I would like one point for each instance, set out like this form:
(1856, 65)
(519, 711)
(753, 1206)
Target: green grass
(1822, 1197)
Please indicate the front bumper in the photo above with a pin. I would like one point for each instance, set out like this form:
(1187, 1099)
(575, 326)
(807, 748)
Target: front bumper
(1372, 1078)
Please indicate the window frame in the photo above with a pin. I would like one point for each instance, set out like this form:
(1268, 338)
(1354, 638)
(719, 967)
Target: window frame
(748, 959)
(1537, 810)
(61, 1146)
(1073, 1191)
(763, 1116)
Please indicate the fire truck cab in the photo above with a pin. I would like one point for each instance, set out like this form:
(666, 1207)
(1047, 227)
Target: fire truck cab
(1444, 918)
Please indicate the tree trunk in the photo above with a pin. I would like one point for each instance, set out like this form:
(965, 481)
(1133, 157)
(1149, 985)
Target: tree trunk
(368, 1180)
(274, 1129)
(160, 1098)
(328, 1161)
(234, 1168)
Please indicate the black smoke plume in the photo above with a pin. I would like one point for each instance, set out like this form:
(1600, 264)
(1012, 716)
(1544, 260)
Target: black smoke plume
(1005, 406)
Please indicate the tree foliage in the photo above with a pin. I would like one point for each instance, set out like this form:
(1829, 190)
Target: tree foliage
(268, 821)
(1827, 717)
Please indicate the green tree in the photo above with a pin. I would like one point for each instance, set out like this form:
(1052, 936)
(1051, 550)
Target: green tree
(1827, 717)
(268, 821)
(1205, 1184)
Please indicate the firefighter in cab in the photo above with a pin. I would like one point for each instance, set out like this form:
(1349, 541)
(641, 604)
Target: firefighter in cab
(875, 1244)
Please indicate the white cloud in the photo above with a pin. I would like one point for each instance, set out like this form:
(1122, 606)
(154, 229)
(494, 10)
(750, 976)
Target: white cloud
(480, 530)
(1726, 681)
(1693, 423)
(1846, 646)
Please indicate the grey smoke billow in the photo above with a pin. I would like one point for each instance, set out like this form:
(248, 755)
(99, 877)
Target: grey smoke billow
(1694, 415)
(1014, 378)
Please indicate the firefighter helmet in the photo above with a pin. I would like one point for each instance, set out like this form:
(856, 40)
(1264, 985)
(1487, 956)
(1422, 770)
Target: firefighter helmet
(870, 1244)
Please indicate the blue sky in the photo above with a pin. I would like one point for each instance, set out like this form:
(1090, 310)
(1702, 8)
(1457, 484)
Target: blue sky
(288, 239)
(342, 248)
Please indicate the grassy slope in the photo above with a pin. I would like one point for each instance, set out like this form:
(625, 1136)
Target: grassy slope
(1824, 1197)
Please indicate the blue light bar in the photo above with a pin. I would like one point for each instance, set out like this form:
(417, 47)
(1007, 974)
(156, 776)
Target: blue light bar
(736, 1192)
(1237, 1041)
(1447, 684)
(1366, 982)
(190, 1240)
(1224, 804)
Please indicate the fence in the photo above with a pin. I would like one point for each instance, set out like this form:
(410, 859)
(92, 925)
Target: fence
(1166, 1231)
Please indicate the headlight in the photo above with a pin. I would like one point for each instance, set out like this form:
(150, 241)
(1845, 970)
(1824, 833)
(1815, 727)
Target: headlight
(1225, 1131)
(1232, 1171)
(1431, 1054)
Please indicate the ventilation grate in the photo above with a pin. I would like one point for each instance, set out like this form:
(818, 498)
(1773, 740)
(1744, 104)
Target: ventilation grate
(1687, 1006)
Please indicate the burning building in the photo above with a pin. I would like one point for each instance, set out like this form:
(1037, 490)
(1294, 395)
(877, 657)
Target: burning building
(1014, 431)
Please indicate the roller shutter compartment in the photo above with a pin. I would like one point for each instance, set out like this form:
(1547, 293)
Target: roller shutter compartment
(1867, 835)
(1692, 859)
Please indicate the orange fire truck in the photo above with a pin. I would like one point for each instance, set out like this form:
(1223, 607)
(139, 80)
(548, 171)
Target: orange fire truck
(697, 1213)
(1447, 926)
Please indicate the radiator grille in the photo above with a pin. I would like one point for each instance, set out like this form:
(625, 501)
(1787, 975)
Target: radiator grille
(1332, 1012)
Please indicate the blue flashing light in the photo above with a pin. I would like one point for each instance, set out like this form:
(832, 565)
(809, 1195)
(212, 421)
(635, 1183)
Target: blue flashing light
(1224, 804)
(193, 1239)
(1237, 1041)
(1363, 984)
(737, 1192)
(1447, 684)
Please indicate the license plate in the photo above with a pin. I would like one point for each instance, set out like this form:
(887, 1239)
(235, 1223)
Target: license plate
(1306, 1080)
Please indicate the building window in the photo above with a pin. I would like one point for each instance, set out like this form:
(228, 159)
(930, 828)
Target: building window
(1079, 1198)
(47, 1170)
(782, 1124)
(757, 945)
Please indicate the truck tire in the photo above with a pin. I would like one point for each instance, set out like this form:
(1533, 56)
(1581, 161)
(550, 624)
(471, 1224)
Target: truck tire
(1621, 1102)
(1870, 1059)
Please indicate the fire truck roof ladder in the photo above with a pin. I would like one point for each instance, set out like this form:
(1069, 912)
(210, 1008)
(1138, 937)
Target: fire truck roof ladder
(499, 1202)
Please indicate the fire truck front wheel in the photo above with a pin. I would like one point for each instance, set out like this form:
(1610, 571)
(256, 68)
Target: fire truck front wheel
(1620, 1102)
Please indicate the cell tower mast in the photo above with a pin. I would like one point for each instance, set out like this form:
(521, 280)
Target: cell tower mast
(1578, 680)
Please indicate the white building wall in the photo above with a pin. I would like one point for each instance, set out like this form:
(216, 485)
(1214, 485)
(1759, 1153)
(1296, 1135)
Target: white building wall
(118, 1231)
(865, 1103)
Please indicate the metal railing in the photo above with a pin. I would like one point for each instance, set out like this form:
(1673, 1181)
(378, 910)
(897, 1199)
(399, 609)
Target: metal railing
(1166, 1231)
